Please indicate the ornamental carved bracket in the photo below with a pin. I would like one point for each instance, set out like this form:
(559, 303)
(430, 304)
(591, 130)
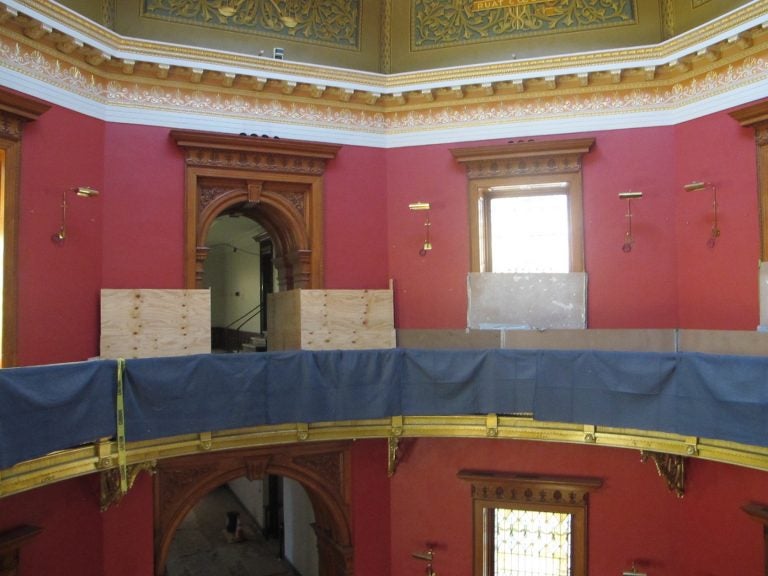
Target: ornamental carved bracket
(524, 158)
(110, 483)
(671, 467)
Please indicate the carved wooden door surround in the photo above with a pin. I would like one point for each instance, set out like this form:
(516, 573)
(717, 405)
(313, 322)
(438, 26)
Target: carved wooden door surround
(278, 183)
(322, 469)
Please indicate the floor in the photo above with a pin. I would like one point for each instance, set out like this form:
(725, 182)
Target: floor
(201, 546)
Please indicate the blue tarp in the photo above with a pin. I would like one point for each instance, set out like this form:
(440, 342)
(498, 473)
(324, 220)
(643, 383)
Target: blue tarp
(48, 408)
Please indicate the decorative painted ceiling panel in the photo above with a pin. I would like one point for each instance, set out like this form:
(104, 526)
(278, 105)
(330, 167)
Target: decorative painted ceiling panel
(331, 23)
(443, 23)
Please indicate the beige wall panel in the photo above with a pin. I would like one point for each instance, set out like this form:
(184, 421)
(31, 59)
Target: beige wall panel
(734, 342)
(449, 339)
(152, 323)
(607, 340)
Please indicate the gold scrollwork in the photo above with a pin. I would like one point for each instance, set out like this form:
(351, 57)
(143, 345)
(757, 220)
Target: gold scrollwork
(110, 482)
(335, 23)
(671, 467)
(442, 23)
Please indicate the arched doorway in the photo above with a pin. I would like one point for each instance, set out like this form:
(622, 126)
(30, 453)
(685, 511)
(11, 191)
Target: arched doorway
(247, 527)
(282, 183)
(239, 272)
(321, 469)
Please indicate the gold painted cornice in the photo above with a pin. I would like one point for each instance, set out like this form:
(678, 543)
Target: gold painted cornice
(97, 63)
(102, 456)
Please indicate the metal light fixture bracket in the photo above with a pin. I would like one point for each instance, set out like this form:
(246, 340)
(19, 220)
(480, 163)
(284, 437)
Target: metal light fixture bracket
(427, 225)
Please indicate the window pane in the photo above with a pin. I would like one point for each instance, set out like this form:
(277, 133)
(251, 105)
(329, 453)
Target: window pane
(532, 543)
(530, 233)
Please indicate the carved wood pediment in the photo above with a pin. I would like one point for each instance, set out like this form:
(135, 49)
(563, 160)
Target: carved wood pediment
(211, 149)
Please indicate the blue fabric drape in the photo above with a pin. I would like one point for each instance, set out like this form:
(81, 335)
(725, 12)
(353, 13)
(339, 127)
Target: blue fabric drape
(47, 408)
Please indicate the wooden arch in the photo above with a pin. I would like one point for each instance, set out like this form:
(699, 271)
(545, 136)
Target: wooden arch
(276, 182)
(322, 469)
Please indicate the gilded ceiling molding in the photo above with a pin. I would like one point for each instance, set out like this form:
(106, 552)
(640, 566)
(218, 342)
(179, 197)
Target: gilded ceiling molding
(444, 23)
(385, 42)
(667, 19)
(385, 110)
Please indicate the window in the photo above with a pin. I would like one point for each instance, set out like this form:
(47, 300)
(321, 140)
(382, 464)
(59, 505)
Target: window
(529, 525)
(524, 227)
(525, 206)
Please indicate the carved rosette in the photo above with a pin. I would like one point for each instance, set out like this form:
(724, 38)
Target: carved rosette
(328, 466)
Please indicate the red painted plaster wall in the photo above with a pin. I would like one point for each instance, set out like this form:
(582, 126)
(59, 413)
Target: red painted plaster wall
(430, 290)
(355, 220)
(143, 208)
(59, 283)
(718, 287)
(632, 517)
(71, 541)
(371, 508)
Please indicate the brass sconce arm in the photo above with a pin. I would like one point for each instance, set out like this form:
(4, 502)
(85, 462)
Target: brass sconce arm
(427, 225)
(81, 191)
(700, 185)
(628, 238)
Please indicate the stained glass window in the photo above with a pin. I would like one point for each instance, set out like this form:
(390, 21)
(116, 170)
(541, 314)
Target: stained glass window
(531, 543)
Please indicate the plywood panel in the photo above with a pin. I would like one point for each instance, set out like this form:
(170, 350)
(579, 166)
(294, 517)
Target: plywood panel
(331, 320)
(147, 323)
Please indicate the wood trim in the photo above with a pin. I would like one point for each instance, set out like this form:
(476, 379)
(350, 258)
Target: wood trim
(15, 112)
(524, 162)
(11, 543)
(760, 513)
(529, 492)
(247, 166)
(322, 469)
(756, 116)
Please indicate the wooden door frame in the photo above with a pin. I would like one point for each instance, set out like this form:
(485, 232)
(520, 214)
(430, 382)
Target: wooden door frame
(15, 111)
(251, 170)
(323, 470)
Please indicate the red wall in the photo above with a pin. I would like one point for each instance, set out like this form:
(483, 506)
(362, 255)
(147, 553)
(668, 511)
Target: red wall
(59, 283)
(430, 290)
(632, 517)
(718, 287)
(355, 219)
(132, 236)
(71, 540)
(143, 208)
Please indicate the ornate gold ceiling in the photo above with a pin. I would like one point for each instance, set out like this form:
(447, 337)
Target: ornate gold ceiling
(114, 75)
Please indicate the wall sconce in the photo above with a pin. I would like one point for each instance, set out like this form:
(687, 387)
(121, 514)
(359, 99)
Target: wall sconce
(628, 239)
(697, 185)
(82, 191)
(633, 572)
(427, 224)
(428, 557)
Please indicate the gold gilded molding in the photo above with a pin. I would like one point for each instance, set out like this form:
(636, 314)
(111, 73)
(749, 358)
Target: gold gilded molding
(671, 467)
(335, 24)
(83, 460)
(443, 23)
